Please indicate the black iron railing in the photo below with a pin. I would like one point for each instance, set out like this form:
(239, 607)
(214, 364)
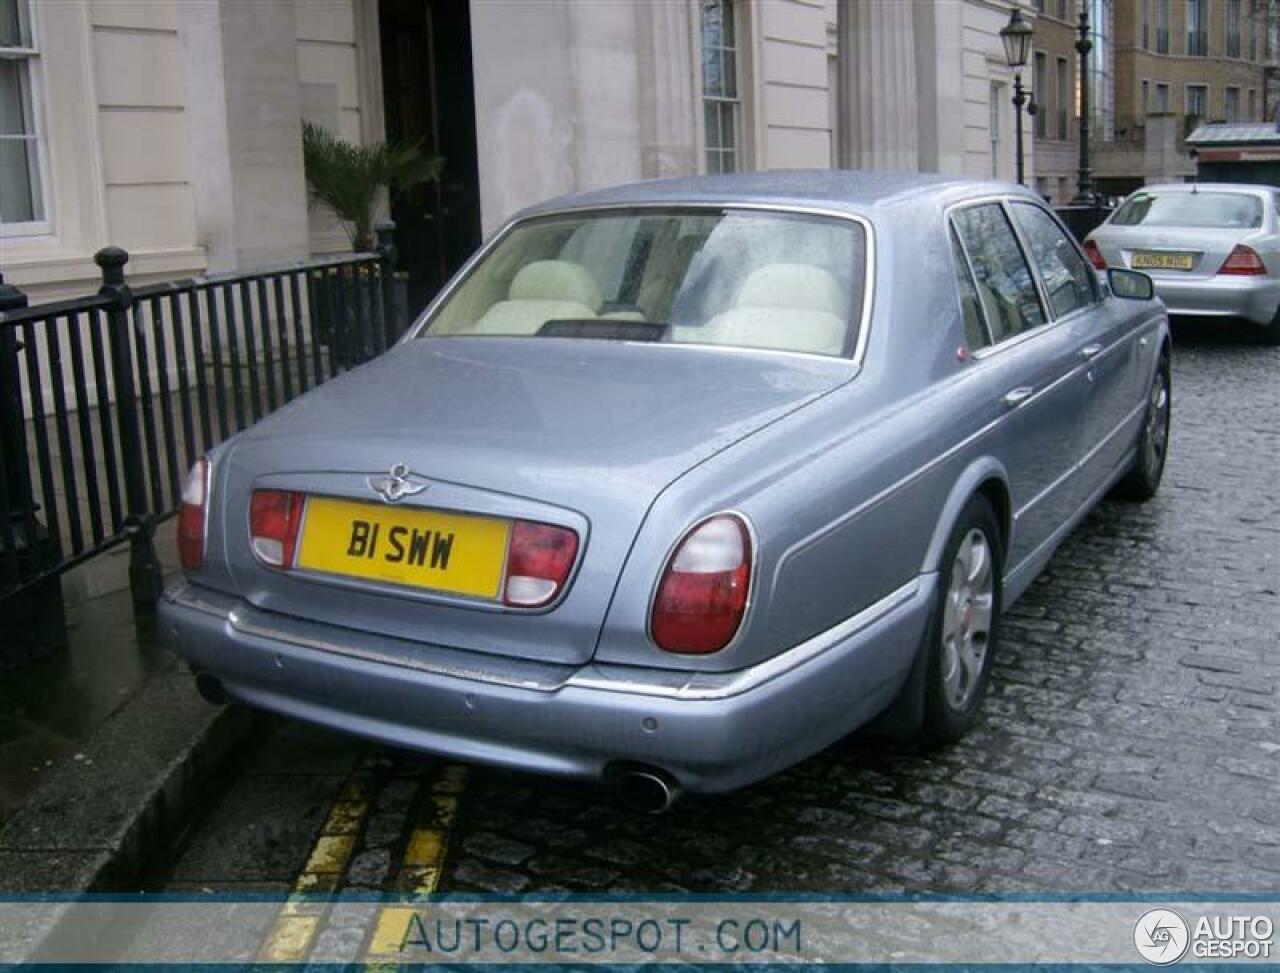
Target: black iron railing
(105, 401)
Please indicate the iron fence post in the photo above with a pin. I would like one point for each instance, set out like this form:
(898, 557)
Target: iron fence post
(34, 622)
(146, 579)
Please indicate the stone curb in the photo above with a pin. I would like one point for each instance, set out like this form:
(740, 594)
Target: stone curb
(99, 821)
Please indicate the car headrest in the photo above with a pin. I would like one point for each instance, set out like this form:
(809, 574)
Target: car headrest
(792, 286)
(556, 280)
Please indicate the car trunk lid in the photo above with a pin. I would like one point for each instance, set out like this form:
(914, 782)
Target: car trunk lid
(581, 434)
(1172, 252)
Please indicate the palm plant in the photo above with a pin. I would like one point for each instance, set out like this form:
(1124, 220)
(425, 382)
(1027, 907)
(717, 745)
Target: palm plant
(346, 177)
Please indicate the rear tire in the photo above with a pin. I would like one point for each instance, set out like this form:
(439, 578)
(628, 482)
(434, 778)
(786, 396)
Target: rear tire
(1142, 482)
(962, 634)
(1269, 334)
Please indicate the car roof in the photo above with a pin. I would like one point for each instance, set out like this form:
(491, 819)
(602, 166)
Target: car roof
(1201, 187)
(855, 192)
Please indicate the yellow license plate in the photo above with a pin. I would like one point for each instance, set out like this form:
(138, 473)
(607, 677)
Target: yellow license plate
(1147, 260)
(453, 553)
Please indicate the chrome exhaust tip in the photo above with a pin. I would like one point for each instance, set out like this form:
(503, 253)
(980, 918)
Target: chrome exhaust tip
(210, 688)
(650, 791)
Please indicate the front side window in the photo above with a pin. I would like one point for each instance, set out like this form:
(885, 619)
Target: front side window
(21, 193)
(740, 278)
(1207, 210)
(721, 102)
(1067, 278)
(1006, 289)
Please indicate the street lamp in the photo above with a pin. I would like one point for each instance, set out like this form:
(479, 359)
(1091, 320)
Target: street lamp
(1085, 194)
(1016, 37)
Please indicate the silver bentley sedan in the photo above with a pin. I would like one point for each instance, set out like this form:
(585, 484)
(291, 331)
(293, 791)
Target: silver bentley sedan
(677, 483)
(1212, 249)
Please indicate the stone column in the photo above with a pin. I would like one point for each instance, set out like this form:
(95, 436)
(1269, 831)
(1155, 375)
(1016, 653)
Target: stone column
(877, 76)
(244, 110)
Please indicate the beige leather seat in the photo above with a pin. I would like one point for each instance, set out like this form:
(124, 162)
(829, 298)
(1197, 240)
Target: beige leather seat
(542, 291)
(796, 307)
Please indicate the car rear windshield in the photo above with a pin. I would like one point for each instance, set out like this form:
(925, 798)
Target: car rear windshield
(1208, 210)
(734, 277)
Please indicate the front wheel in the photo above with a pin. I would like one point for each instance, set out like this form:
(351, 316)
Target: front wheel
(966, 620)
(1142, 482)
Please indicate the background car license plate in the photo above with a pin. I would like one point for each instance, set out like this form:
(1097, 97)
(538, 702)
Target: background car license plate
(1151, 260)
(455, 553)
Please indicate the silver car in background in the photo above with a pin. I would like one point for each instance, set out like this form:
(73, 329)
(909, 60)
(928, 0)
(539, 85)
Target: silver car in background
(1212, 249)
(677, 483)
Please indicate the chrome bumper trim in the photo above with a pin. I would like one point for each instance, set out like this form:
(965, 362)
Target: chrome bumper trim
(636, 681)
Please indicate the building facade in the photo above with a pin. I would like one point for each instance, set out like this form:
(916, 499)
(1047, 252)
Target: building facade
(1179, 63)
(1054, 79)
(172, 127)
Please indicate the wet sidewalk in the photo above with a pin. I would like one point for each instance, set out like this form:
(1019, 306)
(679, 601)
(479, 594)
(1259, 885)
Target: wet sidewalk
(49, 709)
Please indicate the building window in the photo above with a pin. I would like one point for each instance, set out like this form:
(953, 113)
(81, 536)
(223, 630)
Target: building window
(1231, 104)
(1253, 30)
(1197, 28)
(721, 101)
(1198, 100)
(1040, 90)
(1162, 98)
(1064, 93)
(997, 106)
(1253, 105)
(1162, 26)
(1145, 106)
(1063, 9)
(1233, 28)
(21, 191)
(1146, 25)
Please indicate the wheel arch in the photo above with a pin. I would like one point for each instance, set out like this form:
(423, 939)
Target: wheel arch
(984, 477)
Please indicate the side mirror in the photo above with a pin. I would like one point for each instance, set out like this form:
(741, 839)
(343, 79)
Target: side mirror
(1132, 285)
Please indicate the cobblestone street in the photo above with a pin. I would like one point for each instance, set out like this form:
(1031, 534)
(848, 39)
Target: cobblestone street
(1130, 740)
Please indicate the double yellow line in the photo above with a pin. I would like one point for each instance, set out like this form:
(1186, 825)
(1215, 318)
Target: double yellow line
(294, 930)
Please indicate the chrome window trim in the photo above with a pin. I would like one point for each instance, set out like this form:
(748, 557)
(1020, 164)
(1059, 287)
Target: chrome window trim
(868, 275)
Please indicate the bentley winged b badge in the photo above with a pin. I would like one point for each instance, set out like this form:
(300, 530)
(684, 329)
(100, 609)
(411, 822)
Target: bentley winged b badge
(397, 484)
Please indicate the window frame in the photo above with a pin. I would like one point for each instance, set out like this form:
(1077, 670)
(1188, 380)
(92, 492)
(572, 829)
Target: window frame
(1202, 22)
(29, 61)
(736, 104)
(1007, 203)
(1049, 321)
(1186, 98)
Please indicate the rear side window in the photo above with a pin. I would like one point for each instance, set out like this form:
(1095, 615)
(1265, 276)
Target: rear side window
(1208, 210)
(1006, 289)
(1068, 281)
(975, 331)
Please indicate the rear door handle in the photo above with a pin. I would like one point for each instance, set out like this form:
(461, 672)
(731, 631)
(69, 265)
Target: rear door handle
(1015, 397)
(1089, 351)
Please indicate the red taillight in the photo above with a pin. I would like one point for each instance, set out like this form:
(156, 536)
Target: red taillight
(539, 558)
(1243, 262)
(1095, 255)
(191, 516)
(274, 516)
(703, 592)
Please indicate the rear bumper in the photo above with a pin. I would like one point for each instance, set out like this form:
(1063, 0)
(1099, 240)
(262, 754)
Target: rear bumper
(713, 732)
(1252, 298)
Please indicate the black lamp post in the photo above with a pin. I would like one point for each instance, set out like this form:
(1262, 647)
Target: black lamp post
(1016, 37)
(1085, 195)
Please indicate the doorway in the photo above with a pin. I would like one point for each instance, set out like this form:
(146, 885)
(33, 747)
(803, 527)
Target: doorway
(429, 102)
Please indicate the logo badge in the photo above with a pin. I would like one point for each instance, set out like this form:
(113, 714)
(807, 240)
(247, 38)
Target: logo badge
(1161, 936)
(397, 484)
